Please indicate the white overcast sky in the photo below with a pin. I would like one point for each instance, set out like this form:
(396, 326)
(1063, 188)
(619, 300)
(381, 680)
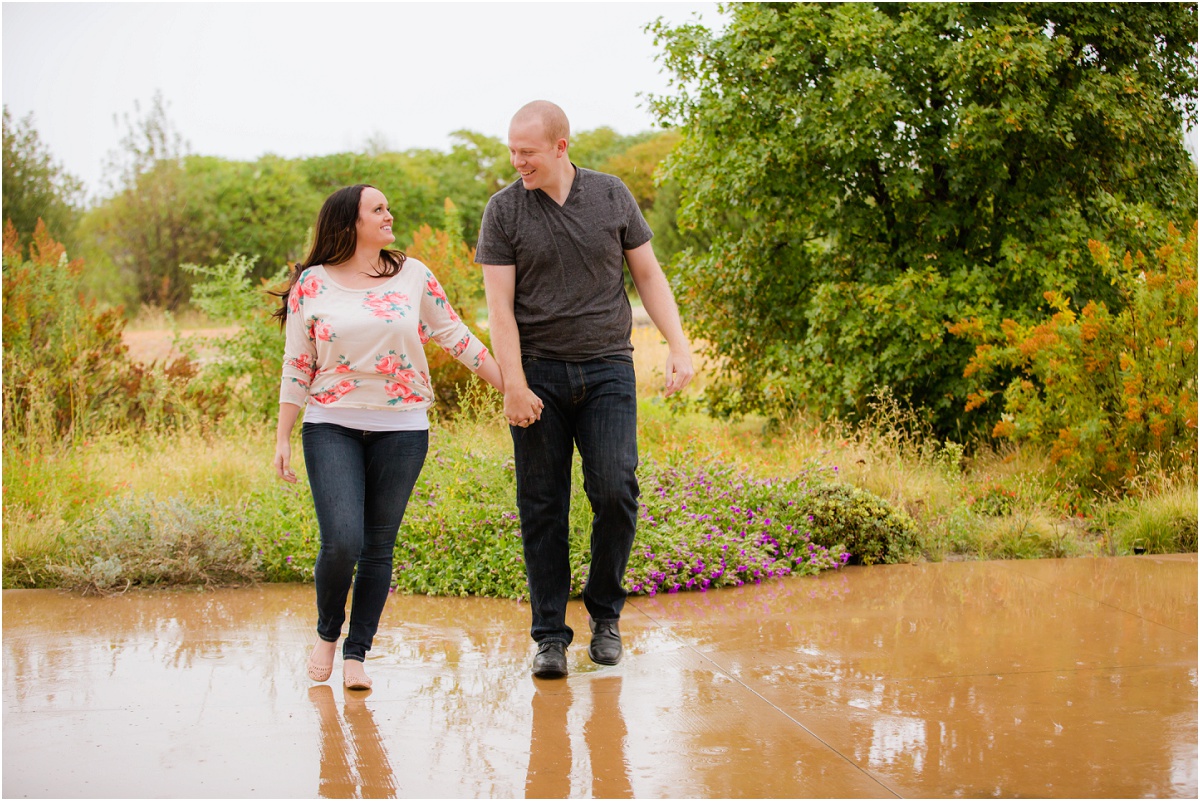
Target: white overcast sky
(302, 79)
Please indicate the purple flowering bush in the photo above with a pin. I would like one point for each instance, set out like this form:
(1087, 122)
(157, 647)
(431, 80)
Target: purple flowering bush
(715, 526)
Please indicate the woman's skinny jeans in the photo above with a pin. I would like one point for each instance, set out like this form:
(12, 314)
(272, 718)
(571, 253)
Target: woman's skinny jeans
(361, 481)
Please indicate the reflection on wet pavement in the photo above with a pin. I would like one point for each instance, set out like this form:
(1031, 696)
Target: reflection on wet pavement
(1050, 678)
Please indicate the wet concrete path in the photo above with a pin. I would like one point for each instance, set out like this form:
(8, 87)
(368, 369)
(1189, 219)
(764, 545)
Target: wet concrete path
(1057, 678)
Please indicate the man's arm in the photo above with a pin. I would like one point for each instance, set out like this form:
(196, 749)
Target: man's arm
(659, 301)
(521, 406)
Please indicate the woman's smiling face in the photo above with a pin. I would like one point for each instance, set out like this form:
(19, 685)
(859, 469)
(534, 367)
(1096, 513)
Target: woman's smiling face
(374, 226)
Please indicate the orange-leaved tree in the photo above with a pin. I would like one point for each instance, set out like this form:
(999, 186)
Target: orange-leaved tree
(453, 264)
(1111, 394)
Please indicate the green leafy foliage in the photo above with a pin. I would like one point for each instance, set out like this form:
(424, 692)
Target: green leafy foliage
(278, 524)
(868, 527)
(1163, 524)
(592, 149)
(35, 186)
(155, 220)
(246, 373)
(475, 169)
(412, 195)
(1111, 394)
(261, 208)
(994, 501)
(869, 173)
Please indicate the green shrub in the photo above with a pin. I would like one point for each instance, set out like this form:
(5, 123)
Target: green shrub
(246, 371)
(140, 541)
(868, 527)
(1166, 523)
(1017, 540)
(461, 535)
(279, 526)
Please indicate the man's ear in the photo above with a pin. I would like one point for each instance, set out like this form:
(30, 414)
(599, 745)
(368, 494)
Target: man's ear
(560, 148)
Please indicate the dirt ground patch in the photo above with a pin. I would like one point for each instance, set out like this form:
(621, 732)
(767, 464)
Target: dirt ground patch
(159, 345)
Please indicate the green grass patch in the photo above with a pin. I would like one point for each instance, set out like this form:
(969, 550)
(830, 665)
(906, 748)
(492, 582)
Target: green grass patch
(722, 504)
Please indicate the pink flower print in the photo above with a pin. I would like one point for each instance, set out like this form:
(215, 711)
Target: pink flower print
(391, 365)
(460, 346)
(480, 358)
(334, 393)
(305, 364)
(309, 286)
(424, 333)
(388, 306)
(434, 289)
(318, 329)
(401, 392)
(343, 366)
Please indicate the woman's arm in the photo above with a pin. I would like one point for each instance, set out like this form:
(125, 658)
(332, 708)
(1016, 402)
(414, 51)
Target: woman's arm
(288, 413)
(489, 371)
(446, 328)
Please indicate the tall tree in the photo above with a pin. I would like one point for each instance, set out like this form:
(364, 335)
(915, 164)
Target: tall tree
(152, 224)
(35, 185)
(871, 173)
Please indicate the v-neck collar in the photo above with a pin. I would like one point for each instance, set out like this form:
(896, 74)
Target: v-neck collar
(570, 192)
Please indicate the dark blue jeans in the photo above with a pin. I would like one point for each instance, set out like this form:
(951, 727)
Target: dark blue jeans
(593, 406)
(361, 482)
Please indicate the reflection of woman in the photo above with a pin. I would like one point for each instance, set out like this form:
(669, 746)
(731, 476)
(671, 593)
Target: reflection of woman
(352, 766)
(356, 317)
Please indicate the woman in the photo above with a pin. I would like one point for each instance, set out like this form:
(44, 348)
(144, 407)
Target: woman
(356, 317)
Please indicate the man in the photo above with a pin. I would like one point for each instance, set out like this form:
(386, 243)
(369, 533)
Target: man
(552, 246)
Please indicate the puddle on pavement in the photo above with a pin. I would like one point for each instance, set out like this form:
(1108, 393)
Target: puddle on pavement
(1049, 678)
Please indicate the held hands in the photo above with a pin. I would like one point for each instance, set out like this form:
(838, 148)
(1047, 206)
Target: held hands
(522, 407)
(283, 462)
(679, 372)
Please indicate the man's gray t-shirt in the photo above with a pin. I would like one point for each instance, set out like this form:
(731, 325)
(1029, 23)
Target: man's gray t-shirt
(570, 301)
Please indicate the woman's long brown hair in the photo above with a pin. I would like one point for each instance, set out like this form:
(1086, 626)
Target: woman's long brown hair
(334, 241)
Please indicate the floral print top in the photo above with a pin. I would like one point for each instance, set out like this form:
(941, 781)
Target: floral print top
(363, 348)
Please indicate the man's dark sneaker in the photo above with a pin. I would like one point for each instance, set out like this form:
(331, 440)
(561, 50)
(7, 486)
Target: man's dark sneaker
(606, 642)
(551, 660)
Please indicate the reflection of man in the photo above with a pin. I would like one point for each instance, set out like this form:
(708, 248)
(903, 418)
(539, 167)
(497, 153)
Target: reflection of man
(604, 735)
(549, 771)
(552, 246)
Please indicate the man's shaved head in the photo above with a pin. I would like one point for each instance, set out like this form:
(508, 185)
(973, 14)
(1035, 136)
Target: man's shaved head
(553, 119)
